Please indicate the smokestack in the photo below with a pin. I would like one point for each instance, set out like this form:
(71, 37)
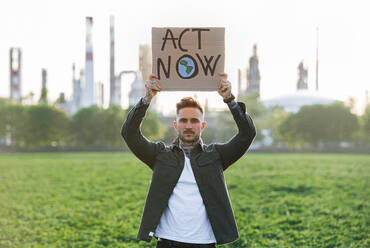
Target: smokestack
(89, 96)
(15, 60)
(43, 78)
(76, 94)
(113, 93)
(73, 71)
(44, 92)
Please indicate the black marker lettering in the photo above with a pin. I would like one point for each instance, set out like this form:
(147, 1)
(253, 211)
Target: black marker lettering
(168, 32)
(199, 35)
(182, 33)
(166, 72)
(208, 66)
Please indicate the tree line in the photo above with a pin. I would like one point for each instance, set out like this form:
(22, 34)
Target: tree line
(313, 126)
(44, 125)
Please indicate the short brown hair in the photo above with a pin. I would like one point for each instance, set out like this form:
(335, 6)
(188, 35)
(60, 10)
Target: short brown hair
(188, 102)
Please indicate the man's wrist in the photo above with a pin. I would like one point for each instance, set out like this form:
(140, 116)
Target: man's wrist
(147, 99)
(226, 97)
(229, 98)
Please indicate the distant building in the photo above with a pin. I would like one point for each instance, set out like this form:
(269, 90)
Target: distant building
(88, 93)
(85, 91)
(44, 90)
(62, 103)
(253, 73)
(293, 102)
(145, 70)
(137, 89)
(75, 102)
(44, 78)
(99, 93)
(115, 82)
(302, 97)
(302, 77)
(15, 63)
(249, 79)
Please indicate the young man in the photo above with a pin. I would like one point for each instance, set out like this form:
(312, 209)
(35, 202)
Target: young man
(188, 203)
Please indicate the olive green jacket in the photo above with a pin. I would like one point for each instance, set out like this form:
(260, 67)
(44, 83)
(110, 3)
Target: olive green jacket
(208, 163)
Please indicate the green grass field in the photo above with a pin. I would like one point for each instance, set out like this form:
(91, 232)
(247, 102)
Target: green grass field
(96, 200)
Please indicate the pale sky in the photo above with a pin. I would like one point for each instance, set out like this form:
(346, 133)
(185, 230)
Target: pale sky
(52, 36)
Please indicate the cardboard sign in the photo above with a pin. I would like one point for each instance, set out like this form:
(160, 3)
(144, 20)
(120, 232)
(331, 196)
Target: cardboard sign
(188, 58)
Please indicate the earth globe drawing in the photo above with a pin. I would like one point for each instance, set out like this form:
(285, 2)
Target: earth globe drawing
(187, 67)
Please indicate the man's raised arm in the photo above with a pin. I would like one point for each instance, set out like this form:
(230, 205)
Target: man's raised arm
(238, 145)
(145, 150)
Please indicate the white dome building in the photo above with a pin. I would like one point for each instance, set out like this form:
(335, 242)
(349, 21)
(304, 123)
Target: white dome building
(137, 90)
(293, 102)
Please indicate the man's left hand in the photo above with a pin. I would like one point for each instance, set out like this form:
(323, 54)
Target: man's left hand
(224, 87)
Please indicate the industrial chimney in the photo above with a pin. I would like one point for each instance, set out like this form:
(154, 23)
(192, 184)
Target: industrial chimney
(15, 59)
(88, 92)
(112, 75)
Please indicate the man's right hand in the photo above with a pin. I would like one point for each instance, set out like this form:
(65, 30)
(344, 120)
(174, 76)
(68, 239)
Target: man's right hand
(152, 87)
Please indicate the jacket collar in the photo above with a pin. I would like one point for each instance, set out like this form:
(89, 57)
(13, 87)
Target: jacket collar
(176, 145)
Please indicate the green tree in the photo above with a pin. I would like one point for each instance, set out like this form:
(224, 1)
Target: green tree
(152, 128)
(170, 135)
(256, 110)
(325, 124)
(225, 127)
(112, 120)
(4, 105)
(365, 126)
(45, 126)
(44, 96)
(87, 126)
(273, 119)
(289, 131)
(255, 107)
(95, 126)
(12, 121)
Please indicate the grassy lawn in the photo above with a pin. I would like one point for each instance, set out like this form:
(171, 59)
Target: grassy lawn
(96, 200)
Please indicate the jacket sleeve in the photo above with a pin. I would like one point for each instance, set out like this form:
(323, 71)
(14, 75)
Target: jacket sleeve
(144, 149)
(239, 144)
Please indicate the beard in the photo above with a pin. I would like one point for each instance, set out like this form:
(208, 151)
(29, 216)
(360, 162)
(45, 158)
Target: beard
(189, 139)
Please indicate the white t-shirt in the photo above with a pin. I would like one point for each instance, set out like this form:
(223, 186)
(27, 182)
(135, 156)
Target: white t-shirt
(185, 218)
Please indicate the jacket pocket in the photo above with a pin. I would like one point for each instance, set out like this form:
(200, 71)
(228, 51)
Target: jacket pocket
(210, 167)
(166, 160)
(209, 159)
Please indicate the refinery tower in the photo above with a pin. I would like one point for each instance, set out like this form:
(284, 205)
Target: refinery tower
(115, 84)
(88, 97)
(15, 57)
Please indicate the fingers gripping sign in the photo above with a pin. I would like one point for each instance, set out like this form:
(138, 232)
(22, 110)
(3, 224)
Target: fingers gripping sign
(152, 87)
(224, 86)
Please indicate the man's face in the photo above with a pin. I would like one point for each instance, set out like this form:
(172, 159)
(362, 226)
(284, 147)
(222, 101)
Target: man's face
(189, 124)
